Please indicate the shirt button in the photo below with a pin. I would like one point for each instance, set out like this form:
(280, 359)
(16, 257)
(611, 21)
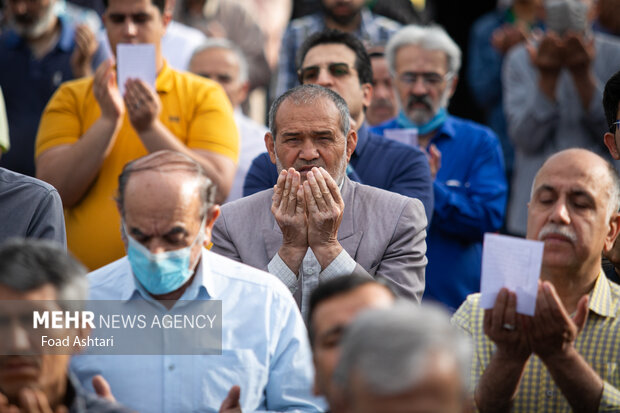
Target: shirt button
(549, 393)
(171, 367)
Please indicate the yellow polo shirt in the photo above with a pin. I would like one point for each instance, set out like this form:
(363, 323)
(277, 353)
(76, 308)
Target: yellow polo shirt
(194, 109)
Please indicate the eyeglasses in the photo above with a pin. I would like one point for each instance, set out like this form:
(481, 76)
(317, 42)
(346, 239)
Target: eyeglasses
(430, 79)
(311, 73)
(614, 126)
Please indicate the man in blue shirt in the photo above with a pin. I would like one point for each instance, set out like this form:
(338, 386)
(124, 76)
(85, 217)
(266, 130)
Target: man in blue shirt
(166, 203)
(38, 53)
(338, 61)
(465, 159)
(350, 17)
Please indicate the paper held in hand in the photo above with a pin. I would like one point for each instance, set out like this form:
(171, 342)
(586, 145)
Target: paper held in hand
(135, 61)
(513, 263)
(406, 136)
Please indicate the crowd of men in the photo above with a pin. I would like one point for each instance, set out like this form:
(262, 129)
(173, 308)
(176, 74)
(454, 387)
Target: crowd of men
(343, 240)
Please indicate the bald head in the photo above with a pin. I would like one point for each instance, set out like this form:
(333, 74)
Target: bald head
(589, 162)
(573, 211)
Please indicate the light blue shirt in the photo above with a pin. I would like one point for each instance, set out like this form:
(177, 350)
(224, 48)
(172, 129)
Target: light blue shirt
(265, 349)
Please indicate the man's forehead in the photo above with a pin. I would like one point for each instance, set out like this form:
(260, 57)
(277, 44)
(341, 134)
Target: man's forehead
(130, 7)
(329, 53)
(412, 55)
(318, 112)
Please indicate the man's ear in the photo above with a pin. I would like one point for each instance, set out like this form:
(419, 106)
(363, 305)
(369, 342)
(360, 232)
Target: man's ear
(271, 147)
(610, 141)
(212, 215)
(366, 94)
(612, 233)
(351, 143)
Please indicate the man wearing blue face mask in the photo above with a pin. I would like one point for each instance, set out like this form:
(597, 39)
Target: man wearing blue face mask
(465, 158)
(166, 203)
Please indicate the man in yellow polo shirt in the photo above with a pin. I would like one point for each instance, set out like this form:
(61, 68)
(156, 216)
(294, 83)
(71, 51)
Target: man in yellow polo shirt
(89, 131)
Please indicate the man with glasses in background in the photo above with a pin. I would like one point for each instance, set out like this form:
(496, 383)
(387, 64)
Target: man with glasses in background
(465, 159)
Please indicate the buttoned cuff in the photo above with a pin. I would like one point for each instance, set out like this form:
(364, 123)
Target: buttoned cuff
(610, 400)
(279, 268)
(343, 264)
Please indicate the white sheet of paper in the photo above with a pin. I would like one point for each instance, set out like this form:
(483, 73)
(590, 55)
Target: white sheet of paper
(513, 263)
(135, 61)
(407, 136)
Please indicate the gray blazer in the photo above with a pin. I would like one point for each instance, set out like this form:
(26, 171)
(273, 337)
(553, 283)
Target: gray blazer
(384, 232)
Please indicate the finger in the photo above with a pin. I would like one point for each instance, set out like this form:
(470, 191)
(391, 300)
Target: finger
(287, 189)
(232, 399)
(487, 321)
(510, 311)
(556, 313)
(332, 187)
(292, 197)
(497, 319)
(311, 205)
(278, 189)
(301, 201)
(42, 404)
(102, 388)
(315, 189)
(61, 409)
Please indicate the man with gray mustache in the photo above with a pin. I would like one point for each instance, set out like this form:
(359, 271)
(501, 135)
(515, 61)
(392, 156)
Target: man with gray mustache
(563, 358)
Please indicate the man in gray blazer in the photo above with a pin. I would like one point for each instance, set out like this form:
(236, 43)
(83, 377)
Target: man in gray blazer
(316, 224)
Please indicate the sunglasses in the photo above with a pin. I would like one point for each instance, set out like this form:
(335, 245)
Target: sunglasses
(311, 73)
(614, 126)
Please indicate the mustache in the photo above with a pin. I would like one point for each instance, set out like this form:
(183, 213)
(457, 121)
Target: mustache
(424, 99)
(555, 229)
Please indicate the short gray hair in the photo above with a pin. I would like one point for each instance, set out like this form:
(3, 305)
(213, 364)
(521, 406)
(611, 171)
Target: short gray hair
(389, 366)
(432, 37)
(218, 43)
(29, 264)
(309, 94)
(168, 161)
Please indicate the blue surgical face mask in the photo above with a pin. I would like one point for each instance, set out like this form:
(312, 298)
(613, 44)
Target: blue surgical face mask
(436, 122)
(164, 272)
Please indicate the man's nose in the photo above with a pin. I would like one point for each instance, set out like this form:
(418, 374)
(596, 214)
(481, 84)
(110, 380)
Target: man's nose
(560, 213)
(130, 27)
(308, 151)
(156, 246)
(419, 87)
(325, 78)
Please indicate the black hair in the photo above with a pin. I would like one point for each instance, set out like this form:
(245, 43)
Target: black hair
(329, 36)
(334, 287)
(611, 97)
(160, 4)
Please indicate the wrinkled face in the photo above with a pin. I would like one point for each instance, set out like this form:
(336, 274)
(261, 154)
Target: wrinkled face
(309, 135)
(422, 82)
(342, 11)
(333, 66)
(222, 66)
(439, 391)
(31, 18)
(136, 22)
(569, 211)
(162, 212)
(383, 105)
(44, 372)
(329, 321)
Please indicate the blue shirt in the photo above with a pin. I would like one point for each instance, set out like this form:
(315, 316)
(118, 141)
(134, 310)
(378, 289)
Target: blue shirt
(373, 30)
(27, 84)
(376, 161)
(265, 348)
(470, 198)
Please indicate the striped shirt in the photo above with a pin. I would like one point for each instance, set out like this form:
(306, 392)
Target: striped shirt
(598, 344)
(373, 30)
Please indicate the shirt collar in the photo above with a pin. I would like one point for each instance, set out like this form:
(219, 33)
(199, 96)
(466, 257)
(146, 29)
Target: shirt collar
(365, 22)
(601, 301)
(165, 79)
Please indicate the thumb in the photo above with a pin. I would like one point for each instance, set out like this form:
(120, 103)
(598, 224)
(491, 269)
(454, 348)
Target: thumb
(582, 313)
(102, 388)
(232, 399)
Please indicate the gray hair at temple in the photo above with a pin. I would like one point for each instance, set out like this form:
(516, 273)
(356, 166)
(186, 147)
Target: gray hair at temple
(390, 366)
(29, 264)
(220, 43)
(168, 161)
(309, 94)
(432, 37)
